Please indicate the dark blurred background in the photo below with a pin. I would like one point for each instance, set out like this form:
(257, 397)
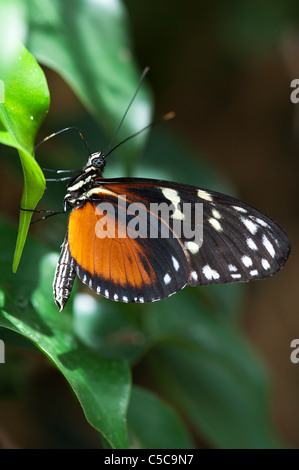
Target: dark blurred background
(225, 68)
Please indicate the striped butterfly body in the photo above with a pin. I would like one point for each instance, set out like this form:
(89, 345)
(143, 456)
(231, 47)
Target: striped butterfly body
(141, 240)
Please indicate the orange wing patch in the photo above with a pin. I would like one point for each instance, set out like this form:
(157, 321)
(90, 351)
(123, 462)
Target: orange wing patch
(112, 258)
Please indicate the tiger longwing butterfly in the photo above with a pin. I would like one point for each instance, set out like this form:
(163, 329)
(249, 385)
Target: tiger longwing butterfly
(229, 241)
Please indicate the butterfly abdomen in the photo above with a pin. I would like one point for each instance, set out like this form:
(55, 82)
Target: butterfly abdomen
(64, 276)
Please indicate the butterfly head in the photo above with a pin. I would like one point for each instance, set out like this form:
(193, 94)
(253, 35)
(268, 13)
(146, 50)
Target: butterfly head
(96, 162)
(81, 184)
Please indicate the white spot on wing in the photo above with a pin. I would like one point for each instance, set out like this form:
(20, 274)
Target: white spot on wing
(204, 195)
(232, 267)
(246, 261)
(175, 263)
(192, 247)
(178, 214)
(250, 225)
(254, 272)
(167, 279)
(236, 276)
(115, 297)
(262, 222)
(240, 209)
(210, 273)
(251, 244)
(173, 196)
(265, 263)
(125, 299)
(216, 214)
(268, 245)
(215, 224)
(107, 293)
(194, 275)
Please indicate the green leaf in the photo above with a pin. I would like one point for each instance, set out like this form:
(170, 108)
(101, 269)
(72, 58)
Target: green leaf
(108, 328)
(212, 373)
(154, 424)
(12, 32)
(23, 107)
(91, 49)
(102, 385)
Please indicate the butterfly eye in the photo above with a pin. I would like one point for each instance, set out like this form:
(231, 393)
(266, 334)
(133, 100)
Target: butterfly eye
(97, 161)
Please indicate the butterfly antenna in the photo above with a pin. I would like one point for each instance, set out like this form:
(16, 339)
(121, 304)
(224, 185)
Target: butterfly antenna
(144, 73)
(165, 117)
(60, 132)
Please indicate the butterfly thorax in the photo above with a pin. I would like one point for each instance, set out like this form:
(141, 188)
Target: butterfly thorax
(80, 186)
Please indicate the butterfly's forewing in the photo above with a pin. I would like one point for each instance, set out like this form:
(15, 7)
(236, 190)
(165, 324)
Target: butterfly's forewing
(144, 259)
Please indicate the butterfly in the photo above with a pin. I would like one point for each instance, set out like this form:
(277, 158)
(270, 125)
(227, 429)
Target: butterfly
(142, 240)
